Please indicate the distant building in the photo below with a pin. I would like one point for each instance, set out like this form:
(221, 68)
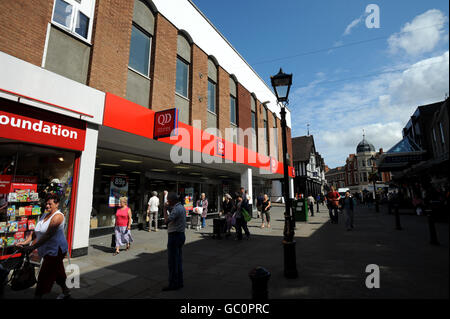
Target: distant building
(420, 160)
(336, 177)
(360, 167)
(309, 166)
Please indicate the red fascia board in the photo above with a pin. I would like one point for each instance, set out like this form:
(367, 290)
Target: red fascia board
(130, 117)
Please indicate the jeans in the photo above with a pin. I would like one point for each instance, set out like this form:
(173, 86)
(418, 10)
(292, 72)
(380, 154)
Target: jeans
(241, 223)
(203, 222)
(349, 220)
(333, 214)
(174, 251)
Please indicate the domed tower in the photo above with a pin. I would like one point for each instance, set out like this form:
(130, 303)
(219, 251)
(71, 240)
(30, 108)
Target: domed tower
(364, 146)
(364, 151)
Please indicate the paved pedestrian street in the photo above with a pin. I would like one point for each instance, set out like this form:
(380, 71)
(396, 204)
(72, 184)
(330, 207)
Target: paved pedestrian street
(331, 261)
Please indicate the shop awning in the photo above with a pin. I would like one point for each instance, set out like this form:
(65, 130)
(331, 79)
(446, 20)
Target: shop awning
(401, 156)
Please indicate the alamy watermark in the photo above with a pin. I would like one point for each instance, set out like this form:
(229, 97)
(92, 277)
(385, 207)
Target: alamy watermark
(373, 280)
(373, 17)
(73, 276)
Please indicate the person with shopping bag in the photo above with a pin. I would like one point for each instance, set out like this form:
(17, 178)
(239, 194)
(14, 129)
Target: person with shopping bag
(203, 203)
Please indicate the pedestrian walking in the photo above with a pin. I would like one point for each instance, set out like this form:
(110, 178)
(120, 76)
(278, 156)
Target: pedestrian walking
(152, 211)
(348, 207)
(176, 225)
(241, 223)
(259, 201)
(265, 211)
(333, 198)
(311, 204)
(122, 229)
(317, 202)
(203, 203)
(48, 237)
(228, 209)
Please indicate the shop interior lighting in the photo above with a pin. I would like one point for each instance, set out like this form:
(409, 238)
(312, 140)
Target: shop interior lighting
(158, 170)
(61, 159)
(135, 172)
(111, 165)
(197, 174)
(181, 167)
(130, 161)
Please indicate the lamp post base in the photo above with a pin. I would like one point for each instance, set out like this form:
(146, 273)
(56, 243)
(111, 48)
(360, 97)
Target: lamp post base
(290, 264)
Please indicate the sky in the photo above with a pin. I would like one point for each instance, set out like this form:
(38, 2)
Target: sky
(347, 77)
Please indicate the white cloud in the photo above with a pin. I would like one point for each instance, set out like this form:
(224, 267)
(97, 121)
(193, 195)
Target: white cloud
(381, 105)
(353, 24)
(421, 35)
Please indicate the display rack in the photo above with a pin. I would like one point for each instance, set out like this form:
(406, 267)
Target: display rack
(23, 212)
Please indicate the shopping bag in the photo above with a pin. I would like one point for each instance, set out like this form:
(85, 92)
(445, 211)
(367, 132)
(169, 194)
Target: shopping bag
(23, 277)
(246, 215)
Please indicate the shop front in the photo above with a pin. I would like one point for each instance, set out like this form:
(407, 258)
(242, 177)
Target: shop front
(39, 155)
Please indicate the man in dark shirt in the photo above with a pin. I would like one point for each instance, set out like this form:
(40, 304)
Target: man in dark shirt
(176, 221)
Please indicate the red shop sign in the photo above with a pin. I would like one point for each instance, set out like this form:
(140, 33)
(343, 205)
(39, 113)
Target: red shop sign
(35, 130)
(165, 122)
(5, 182)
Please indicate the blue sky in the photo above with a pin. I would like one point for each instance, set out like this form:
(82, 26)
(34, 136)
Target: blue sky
(374, 82)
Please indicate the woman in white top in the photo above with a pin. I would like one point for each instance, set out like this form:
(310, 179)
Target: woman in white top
(51, 244)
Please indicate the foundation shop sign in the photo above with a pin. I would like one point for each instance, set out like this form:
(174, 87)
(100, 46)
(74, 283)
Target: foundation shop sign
(27, 129)
(166, 123)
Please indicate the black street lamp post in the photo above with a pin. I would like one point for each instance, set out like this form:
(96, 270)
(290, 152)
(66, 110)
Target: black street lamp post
(282, 83)
(377, 207)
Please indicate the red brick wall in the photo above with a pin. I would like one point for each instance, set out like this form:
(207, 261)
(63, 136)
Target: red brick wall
(224, 100)
(244, 111)
(165, 57)
(23, 28)
(199, 87)
(111, 46)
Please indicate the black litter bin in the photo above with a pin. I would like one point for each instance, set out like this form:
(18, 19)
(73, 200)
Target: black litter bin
(219, 226)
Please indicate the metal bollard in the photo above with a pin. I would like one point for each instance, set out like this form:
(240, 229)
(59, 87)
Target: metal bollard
(431, 227)
(259, 277)
(397, 218)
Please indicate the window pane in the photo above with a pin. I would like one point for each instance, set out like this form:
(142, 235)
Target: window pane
(182, 78)
(139, 51)
(82, 25)
(232, 110)
(254, 121)
(211, 97)
(63, 13)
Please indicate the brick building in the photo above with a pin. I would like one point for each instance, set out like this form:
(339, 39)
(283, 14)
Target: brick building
(80, 84)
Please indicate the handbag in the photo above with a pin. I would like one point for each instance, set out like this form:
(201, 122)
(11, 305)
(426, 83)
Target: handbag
(113, 241)
(246, 215)
(23, 277)
(233, 220)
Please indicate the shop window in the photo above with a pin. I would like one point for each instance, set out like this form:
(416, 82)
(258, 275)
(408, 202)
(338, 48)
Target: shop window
(28, 175)
(74, 16)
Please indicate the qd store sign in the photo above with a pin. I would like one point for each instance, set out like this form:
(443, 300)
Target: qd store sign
(27, 129)
(165, 122)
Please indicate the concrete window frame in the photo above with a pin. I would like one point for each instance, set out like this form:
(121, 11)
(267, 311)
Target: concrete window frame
(85, 7)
